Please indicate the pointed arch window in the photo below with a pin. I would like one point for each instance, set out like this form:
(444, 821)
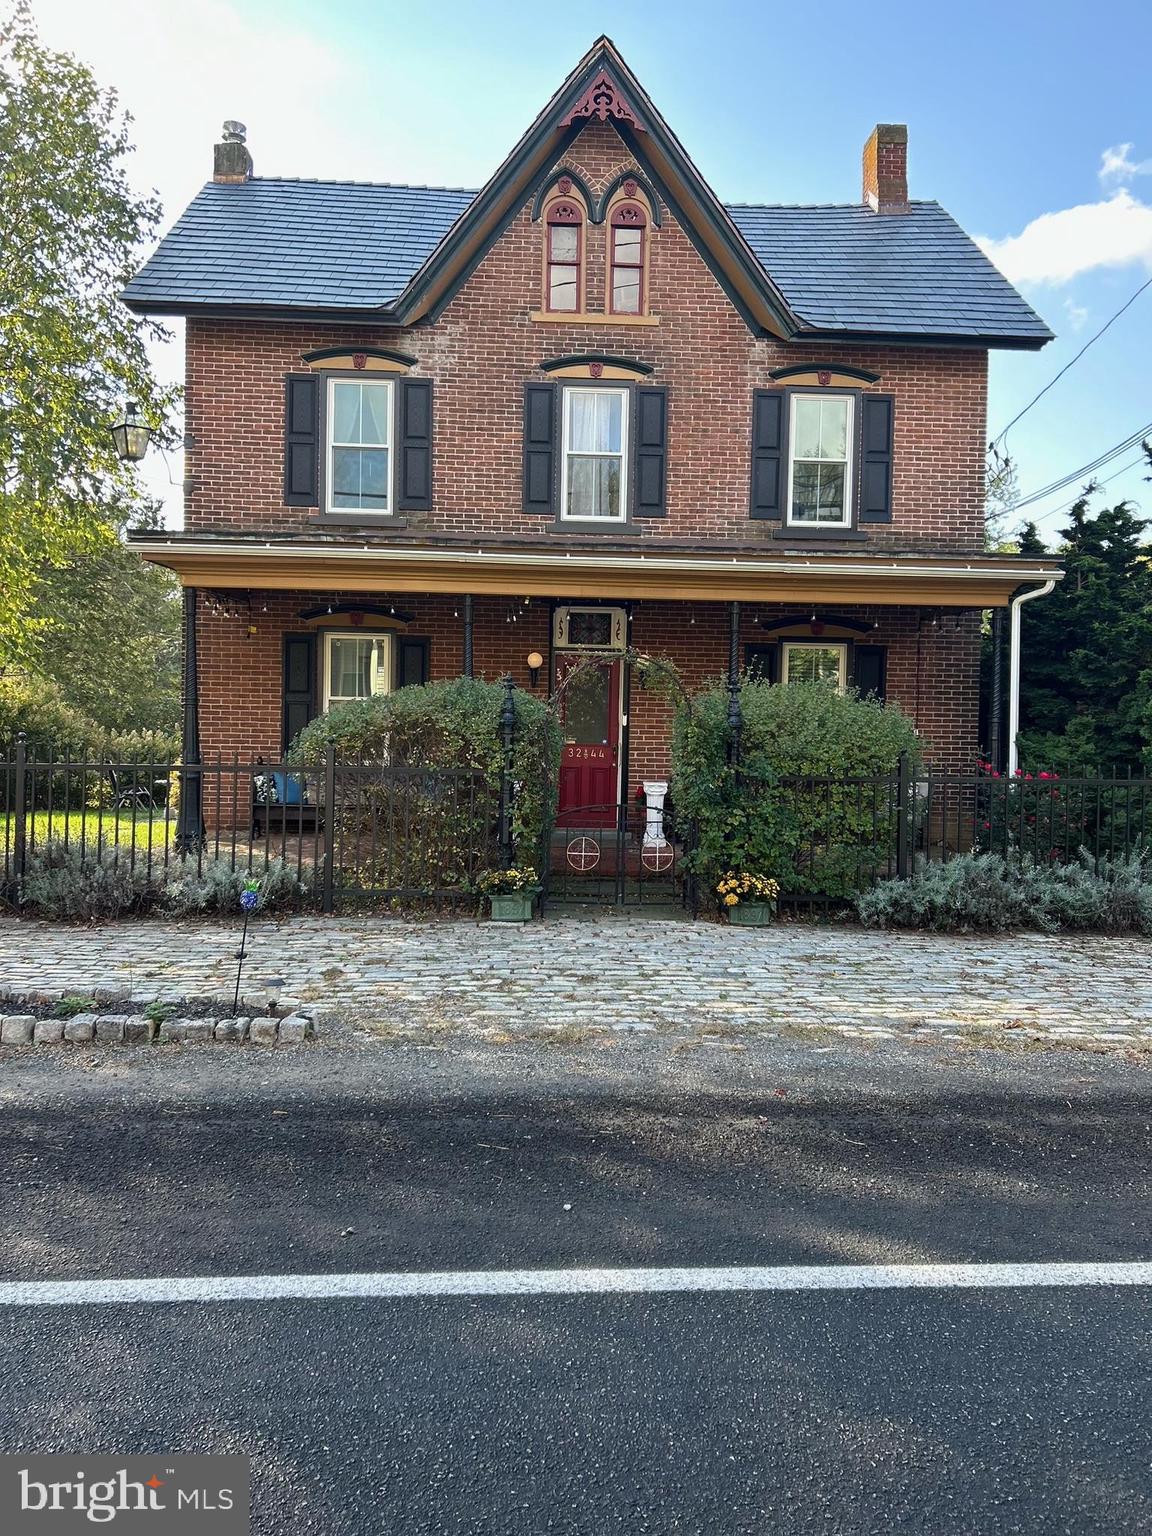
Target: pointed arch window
(628, 240)
(564, 256)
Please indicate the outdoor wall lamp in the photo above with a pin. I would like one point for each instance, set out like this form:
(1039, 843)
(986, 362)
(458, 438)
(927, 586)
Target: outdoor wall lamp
(535, 662)
(131, 436)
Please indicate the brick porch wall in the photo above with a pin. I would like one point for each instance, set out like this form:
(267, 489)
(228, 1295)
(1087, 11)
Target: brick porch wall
(933, 671)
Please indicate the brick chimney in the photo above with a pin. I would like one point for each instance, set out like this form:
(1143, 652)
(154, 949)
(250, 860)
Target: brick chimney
(231, 160)
(886, 168)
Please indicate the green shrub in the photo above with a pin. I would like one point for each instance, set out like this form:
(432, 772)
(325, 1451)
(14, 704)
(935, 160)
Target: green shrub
(215, 886)
(823, 838)
(983, 892)
(68, 884)
(449, 725)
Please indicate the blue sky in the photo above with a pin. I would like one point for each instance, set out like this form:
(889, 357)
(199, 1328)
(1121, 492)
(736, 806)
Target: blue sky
(1011, 109)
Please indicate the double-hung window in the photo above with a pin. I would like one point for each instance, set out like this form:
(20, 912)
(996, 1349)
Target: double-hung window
(595, 453)
(807, 663)
(356, 666)
(359, 469)
(820, 460)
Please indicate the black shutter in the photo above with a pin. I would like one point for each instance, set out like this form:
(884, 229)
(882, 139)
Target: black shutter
(876, 459)
(302, 440)
(651, 453)
(411, 662)
(299, 685)
(414, 483)
(763, 661)
(870, 669)
(540, 448)
(769, 425)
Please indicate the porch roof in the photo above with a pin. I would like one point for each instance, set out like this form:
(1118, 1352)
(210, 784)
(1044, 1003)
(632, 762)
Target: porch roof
(579, 571)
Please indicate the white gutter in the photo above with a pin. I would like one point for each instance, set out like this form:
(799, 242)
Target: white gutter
(406, 554)
(1014, 670)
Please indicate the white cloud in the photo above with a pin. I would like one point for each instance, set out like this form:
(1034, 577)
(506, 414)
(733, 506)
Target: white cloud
(1056, 247)
(1117, 164)
(1076, 313)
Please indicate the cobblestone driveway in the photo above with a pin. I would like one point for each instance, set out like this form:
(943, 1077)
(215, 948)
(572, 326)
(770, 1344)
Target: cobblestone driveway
(639, 974)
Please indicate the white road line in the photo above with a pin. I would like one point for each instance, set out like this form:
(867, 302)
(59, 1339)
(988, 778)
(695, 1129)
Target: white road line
(563, 1282)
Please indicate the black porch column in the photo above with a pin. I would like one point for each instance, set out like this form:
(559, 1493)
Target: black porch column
(996, 692)
(735, 717)
(468, 672)
(190, 818)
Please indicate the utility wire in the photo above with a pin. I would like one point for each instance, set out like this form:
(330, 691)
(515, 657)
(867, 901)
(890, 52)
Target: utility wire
(1068, 505)
(1071, 364)
(1085, 471)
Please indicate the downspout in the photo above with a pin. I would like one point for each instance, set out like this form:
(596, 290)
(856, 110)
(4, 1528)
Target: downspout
(1014, 670)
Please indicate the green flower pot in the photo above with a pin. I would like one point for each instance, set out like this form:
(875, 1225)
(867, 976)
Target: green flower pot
(513, 906)
(752, 914)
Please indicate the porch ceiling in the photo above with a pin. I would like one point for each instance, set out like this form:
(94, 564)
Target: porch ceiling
(912, 581)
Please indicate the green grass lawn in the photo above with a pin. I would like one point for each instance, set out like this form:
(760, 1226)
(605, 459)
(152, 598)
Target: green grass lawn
(92, 828)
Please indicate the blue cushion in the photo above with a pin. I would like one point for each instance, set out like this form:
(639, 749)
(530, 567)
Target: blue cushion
(289, 789)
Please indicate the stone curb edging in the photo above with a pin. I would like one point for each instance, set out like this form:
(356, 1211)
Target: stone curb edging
(139, 1029)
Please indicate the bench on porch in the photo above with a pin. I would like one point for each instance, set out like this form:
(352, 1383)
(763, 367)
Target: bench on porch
(280, 803)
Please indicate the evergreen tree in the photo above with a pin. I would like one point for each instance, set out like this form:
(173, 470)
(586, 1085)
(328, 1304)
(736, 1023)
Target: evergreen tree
(1086, 677)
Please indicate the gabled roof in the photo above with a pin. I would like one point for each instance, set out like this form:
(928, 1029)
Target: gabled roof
(844, 268)
(297, 244)
(396, 254)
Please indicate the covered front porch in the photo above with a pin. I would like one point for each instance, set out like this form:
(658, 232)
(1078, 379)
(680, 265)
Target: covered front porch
(277, 632)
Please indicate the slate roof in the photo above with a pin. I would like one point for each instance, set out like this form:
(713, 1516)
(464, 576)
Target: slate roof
(297, 244)
(347, 246)
(842, 267)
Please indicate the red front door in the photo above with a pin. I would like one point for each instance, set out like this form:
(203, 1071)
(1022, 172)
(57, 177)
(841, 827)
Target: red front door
(589, 765)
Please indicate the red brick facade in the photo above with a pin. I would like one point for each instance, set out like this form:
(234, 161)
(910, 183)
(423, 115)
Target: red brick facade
(480, 351)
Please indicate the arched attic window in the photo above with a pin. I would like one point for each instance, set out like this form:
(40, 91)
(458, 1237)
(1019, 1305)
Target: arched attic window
(564, 255)
(627, 259)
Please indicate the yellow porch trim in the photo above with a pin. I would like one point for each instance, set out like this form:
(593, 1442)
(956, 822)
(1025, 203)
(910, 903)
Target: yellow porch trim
(921, 582)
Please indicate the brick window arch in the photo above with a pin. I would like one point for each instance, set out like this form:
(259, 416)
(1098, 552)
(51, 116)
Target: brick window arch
(627, 259)
(564, 255)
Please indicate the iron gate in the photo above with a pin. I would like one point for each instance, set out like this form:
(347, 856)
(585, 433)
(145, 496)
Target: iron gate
(618, 856)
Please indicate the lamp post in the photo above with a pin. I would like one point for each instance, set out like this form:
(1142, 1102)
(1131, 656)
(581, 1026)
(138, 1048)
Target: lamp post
(131, 435)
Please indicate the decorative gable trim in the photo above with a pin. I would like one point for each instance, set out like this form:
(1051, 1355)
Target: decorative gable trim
(595, 365)
(367, 359)
(553, 185)
(605, 102)
(631, 182)
(653, 147)
(824, 375)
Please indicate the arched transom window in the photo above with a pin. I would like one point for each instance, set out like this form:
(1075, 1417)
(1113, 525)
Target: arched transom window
(627, 235)
(564, 278)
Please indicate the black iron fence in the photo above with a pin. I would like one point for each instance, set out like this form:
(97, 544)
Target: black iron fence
(352, 832)
(346, 831)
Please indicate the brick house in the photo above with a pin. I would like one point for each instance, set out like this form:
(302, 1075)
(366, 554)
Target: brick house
(435, 432)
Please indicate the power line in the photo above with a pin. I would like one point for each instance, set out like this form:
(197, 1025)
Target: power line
(1066, 506)
(1127, 305)
(1085, 471)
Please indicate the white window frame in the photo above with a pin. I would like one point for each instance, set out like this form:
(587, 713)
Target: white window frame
(626, 403)
(329, 423)
(383, 672)
(849, 463)
(788, 646)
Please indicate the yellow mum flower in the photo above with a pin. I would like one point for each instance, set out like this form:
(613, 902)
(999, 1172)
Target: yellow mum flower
(730, 901)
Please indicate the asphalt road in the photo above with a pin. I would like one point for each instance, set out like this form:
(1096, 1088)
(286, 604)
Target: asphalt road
(837, 1412)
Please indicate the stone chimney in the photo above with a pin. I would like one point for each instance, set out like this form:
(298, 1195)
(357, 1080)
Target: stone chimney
(886, 168)
(231, 160)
